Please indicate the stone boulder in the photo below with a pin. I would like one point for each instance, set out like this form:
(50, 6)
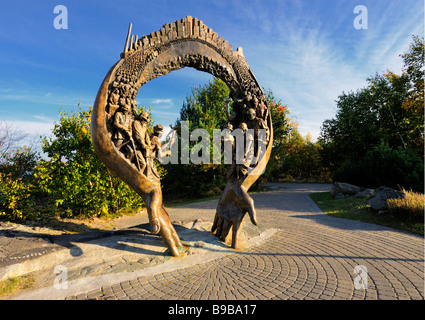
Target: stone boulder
(366, 193)
(379, 200)
(344, 188)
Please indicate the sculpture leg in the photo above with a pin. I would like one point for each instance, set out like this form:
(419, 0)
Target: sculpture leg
(160, 222)
(169, 234)
(154, 206)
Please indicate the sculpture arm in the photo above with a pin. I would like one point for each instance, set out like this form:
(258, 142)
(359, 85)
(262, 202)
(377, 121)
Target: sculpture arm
(231, 209)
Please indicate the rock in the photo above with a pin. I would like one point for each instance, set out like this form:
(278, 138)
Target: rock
(379, 200)
(333, 191)
(339, 196)
(366, 193)
(344, 188)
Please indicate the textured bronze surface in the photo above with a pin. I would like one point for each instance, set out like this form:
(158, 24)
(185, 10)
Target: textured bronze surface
(123, 144)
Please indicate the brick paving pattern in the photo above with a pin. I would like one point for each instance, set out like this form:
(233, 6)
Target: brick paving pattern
(312, 256)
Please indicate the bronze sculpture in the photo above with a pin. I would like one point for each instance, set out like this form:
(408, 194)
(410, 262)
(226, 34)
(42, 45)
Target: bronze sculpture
(119, 134)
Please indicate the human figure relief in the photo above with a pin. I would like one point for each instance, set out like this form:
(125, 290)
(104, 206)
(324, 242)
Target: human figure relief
(122, 125)
(156, 150)
(142, 140)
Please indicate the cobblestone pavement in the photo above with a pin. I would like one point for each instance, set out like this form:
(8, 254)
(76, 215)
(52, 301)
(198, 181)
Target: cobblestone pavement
(312, 256)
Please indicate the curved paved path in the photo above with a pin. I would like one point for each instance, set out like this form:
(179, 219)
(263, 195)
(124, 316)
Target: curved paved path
(312, 256)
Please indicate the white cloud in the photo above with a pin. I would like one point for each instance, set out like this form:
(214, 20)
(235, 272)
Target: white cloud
(33, 96)
(162, 101)
(308, 63)
(307, 73)
(165, 114)
(34, 127)
(44, 118)
(309, 126)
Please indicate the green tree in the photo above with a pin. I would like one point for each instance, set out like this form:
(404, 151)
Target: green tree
(388, 110)
(291, 155)
(414, 102)
(204, 108)
(304, 161)
(353, 131)
(16, 167)
(74, 178)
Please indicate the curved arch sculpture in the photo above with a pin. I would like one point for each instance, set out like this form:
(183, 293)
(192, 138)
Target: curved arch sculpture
(121, 140)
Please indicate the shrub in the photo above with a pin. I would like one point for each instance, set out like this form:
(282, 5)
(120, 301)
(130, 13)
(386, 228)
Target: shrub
(72, 183)
(74, 179)
(383, 165)
(411, 207)
(16, 201)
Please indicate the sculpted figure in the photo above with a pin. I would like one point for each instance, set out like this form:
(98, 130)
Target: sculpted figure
(239, 167)
(122, 124)
(255, 122)
(142, 140)
(228, 137)
(156, 150)
(262, 110)
(114, 100)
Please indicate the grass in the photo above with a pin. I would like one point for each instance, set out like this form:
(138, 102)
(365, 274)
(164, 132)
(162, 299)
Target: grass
(411, 206)
(353, 208)
(13, 285)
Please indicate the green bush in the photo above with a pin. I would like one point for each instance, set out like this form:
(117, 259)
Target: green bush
(84, 189)
(16, 201)
(74, 179)
(72, 182)
(384, 166)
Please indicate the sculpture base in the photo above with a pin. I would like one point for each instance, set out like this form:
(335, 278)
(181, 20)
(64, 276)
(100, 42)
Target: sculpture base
(132, 253)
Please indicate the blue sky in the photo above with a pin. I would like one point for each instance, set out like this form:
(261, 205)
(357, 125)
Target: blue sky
(306, 51)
